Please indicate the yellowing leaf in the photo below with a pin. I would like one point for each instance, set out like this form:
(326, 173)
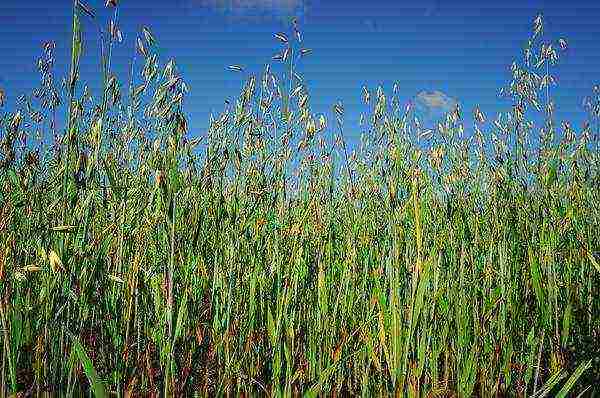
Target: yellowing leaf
(55, 262)
(42, 254)
(64, 228)
(3, 257)
(593, 261)
(96, 131)
(116, 279)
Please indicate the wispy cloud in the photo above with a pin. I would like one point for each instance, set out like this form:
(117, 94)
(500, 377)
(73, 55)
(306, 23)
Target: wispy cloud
(433, 104)
(436, 99)
(252, 10)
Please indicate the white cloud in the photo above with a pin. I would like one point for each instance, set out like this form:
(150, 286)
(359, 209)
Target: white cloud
(436, 100)
(432, 105)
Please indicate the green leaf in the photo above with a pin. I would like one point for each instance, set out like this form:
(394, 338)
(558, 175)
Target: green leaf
(550, 384)
(112, 180)
(181, 315)
(271, 327)
(566, 325)
(573, 379)
(97, 385)
(530, 336)
(552, 175)
(418, 301)
(175, 179)
(75, 51)
(536, 281)
(14, 180)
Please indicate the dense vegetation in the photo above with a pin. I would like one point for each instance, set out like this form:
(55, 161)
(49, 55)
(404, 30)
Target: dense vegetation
(266, 257)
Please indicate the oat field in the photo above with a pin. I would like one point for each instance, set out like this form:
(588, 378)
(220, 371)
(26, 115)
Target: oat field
(269, 257)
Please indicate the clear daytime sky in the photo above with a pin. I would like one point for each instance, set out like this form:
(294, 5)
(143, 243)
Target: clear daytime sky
(457, 50)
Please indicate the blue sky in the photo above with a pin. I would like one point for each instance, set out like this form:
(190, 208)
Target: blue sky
(460, 49)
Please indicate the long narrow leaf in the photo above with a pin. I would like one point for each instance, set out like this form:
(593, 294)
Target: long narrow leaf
(97, 385)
